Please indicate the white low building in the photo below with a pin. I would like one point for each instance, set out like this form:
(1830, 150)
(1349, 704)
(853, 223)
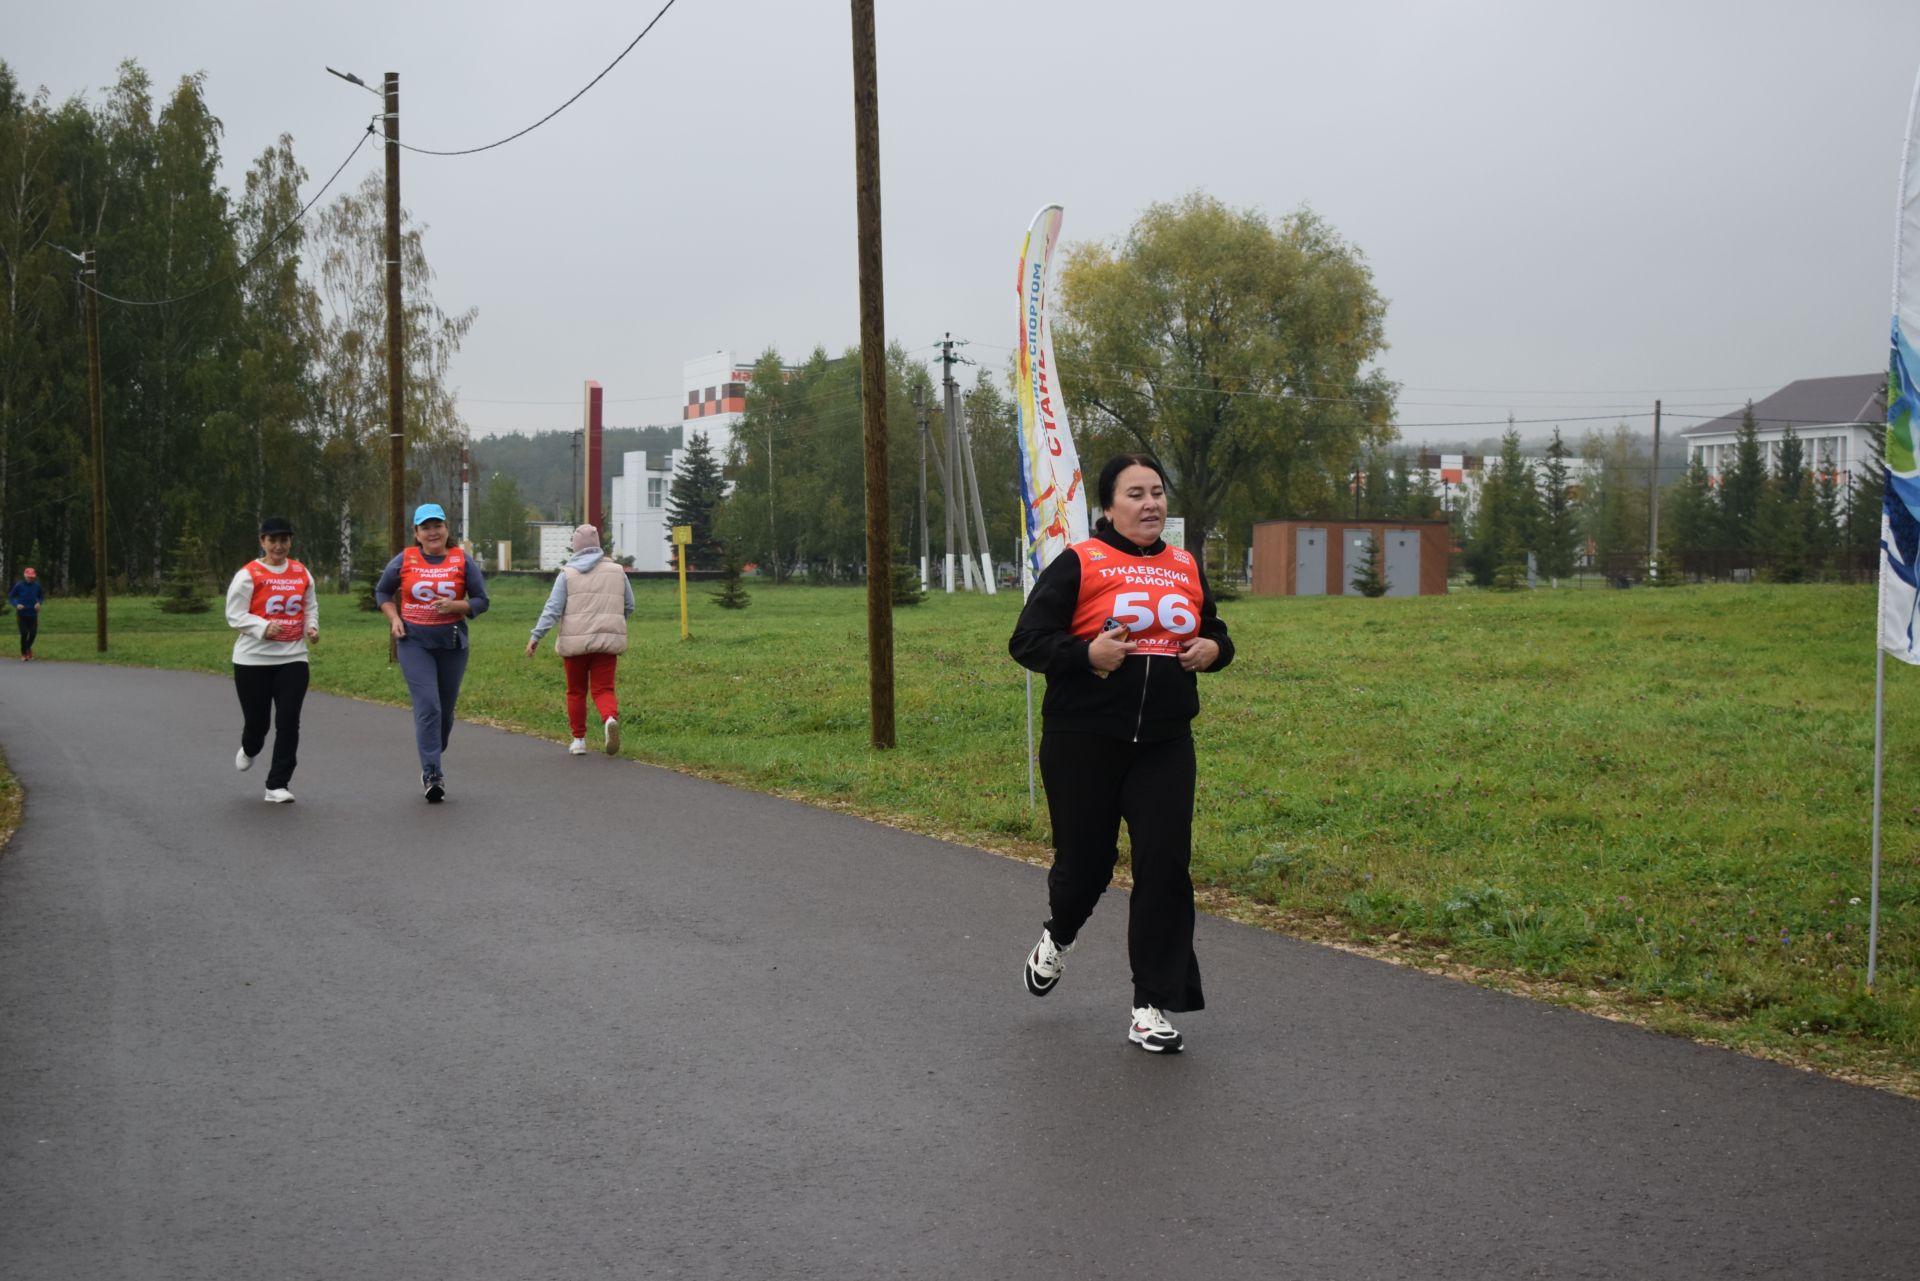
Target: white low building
(715, 387)
(1836, 420)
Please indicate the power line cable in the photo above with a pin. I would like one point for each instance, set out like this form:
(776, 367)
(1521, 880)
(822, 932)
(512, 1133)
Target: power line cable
(259, 253)
(468, 151)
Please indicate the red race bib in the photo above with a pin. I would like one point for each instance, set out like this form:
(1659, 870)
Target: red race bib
(280, 596)
(423, 585)
(1155, 597)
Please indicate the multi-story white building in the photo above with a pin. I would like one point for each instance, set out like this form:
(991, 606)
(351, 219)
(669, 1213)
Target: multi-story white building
(1836, 420)
(715, 387)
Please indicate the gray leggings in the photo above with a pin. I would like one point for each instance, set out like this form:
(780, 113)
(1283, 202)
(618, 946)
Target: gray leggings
(433, 682)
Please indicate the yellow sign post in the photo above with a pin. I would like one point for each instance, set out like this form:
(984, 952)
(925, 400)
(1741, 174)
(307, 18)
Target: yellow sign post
(682, 539)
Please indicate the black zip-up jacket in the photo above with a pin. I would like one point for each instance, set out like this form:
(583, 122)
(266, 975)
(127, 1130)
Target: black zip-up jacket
(1147, 700)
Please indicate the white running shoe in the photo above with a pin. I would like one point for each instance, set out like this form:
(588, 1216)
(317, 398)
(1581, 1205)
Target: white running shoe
(578, 747)
(1045, 963)
(1151, 1031)
(278, 796)
(613, 736)
(241, 761)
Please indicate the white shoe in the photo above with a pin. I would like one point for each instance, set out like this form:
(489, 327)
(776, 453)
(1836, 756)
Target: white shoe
(1151, 1031)
(578, 747)
(613, 736)
(1045, 963)
(241, 761)
(278, 796)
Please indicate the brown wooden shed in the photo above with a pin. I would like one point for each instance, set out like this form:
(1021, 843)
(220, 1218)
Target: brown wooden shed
(1320, 557)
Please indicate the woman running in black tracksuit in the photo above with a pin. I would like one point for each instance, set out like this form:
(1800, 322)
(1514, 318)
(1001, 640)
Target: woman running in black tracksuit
(1120, 624)
(271, 603)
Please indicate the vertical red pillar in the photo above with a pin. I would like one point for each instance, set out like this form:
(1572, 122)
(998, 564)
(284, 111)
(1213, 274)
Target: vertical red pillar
(590, 455)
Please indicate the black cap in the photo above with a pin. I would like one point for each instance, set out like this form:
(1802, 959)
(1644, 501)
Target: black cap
(276, 525)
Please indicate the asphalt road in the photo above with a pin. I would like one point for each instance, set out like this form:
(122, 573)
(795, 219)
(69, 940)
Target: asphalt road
(591, 1019)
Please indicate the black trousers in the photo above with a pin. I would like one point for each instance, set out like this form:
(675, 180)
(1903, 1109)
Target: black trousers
(272, 695)
(29, 628)
(1092, 784)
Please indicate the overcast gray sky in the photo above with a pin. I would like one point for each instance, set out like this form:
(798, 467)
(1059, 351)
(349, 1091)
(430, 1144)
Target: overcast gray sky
(1572, 209)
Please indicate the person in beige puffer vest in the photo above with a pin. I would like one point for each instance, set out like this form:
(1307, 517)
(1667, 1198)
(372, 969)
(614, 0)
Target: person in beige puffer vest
(591, 601)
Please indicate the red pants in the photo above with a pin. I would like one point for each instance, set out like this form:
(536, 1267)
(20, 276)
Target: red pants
(590, 672)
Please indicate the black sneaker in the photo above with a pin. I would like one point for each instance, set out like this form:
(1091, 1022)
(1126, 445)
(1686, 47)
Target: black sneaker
(436, 788)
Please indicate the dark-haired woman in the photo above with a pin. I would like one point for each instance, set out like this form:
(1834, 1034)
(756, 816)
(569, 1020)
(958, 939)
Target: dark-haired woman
(271, 603)
(428, 592)
(1120, 625)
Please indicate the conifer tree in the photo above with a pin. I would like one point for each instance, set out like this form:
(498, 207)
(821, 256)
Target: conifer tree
(730, 595)
(1368, 579)
(184, 590)
(1559, 525)
(1741, 487)
(697, 491)
(1780, 526)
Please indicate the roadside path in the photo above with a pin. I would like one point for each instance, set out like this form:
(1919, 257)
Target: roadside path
(592, 1019)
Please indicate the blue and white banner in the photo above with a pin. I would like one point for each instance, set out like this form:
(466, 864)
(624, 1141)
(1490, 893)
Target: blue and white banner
(1900, 516)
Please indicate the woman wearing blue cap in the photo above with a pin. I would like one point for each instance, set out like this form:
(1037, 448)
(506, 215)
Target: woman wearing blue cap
(428, 593)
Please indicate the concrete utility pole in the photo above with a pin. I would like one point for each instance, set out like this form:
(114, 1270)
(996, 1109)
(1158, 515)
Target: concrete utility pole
(396, 342)
(956, 472)
(946, 452)
(873, 380)
(920, 411)
(90, 267)
(973, 493)
(1653, 497)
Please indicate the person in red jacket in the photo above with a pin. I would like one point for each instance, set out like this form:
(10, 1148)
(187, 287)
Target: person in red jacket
(1120, 625)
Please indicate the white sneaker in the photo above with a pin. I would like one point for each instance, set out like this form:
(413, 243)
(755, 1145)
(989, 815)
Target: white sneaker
(1045, 963)
(1151, 1031)
(578, 747)
(241, 761)
(613, 736)
(278, 796)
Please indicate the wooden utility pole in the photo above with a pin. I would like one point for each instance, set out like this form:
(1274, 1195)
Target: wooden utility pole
(91, 270)
(1653, 498)
(873, 379)
(396, 340)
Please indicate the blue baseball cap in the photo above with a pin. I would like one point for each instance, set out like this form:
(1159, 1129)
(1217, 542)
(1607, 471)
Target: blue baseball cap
(428, 511)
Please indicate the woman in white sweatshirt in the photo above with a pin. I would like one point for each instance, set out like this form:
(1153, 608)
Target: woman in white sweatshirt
(271, 603)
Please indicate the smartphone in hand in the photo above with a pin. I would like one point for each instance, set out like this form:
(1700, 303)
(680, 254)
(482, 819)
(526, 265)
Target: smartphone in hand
(1112, 625)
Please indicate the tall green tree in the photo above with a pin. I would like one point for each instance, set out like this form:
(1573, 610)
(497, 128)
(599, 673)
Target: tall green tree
(694, 500)
(1689, 522)
(798, 465)
(1506, 518)
(1613, 506)
(1558, 541)
(1741, 486)
(350, 369)
(1780, 525)
(40, 338)
(500, 515)
(1234, 349)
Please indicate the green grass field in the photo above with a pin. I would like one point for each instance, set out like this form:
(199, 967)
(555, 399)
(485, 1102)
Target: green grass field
(1651, 803)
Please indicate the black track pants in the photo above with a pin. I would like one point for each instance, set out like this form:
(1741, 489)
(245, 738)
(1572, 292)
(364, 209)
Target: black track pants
(29, 628)
(1092, 784)
(272, 695)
